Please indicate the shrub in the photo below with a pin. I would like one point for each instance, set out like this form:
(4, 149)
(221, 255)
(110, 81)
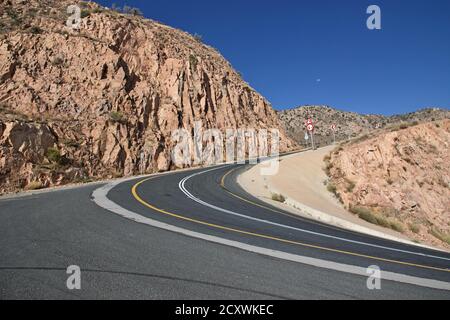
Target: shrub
(414, 228)
(35, 30)
(396, 226)
(193, 61)
(116, 116)
(350, 185)
(54, 155)
(97, 10)
(440, 235)
(85, 13)
(57, 61)
(331, 188)
(328, 168)
(198, 37)
(368, 215)
(364, 214)
(34, 185)
(278, 197)
(404, 126)
(133, 11)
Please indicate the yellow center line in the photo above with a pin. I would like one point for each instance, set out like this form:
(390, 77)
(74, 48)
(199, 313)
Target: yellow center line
(148, 205)
(222, 185)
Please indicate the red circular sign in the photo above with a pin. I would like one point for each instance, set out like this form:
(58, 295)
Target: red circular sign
(310, 127)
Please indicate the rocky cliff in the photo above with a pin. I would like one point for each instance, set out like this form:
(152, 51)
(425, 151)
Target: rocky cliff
(348, 124)
(400, 179)
(102, 101)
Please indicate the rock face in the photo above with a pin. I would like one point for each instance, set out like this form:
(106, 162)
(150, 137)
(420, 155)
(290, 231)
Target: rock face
(400, 174)
(106, 98)
(348, 124)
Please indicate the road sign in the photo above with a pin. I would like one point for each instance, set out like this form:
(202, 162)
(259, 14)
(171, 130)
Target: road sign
(333, 127)
(309, 121)
(310, 127)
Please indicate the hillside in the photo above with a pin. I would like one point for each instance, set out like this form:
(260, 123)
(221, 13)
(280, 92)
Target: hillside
(349, 124)
(400, 178)
(102, 101)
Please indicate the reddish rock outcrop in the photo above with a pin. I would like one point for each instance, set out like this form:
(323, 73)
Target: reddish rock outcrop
(107, 96)
(401, 174)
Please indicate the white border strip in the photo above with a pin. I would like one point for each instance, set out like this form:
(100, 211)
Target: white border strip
(183, 188)
(100, 198)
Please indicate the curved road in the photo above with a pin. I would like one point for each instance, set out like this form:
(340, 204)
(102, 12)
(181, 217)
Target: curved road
(196, 235)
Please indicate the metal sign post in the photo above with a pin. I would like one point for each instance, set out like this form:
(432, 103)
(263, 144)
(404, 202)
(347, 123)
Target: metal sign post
(333, 128)
(310, 128)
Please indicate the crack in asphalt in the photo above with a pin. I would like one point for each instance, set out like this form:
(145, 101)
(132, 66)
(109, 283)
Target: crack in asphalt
(148, 275)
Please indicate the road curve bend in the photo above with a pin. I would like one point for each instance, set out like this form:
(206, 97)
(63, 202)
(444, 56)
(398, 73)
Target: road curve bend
(210, 205)
(195, 235)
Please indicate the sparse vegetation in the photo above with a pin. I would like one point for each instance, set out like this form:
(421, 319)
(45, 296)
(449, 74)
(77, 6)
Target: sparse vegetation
(57, 61)
(331, 188)
(396, 226)
(198, 37)
(328, 167)
(193, 61)
(15, 19)
(54, 155)
(85, 13)
(414, 228)
(444, 237)
(370, 216)
(117, 117)
(35, 30)
(278, 197)
(403, 126)
(126, 10)
(350, 185)
(34, 185)
(71, 143)
(130, 10)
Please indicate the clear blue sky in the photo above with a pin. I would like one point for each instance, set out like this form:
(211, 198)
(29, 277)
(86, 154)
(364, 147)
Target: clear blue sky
(283, 48)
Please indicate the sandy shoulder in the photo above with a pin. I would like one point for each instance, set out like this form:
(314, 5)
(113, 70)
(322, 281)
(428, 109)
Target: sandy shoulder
(300, 180)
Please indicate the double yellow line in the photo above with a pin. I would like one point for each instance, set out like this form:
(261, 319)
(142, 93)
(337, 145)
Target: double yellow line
(258, 235)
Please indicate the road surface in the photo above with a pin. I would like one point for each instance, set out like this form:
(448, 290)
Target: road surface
(196, 235)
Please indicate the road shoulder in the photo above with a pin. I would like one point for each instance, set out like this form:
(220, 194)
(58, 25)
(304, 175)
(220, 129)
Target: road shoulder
(301, 182)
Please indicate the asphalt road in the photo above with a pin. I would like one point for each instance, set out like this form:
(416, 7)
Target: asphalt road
(42, 234)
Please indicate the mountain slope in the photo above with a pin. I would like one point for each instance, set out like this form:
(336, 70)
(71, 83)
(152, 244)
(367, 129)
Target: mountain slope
(348, 124)
(103, 101)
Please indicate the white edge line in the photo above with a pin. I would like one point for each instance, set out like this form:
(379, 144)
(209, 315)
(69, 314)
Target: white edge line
(182, 187)
(100, 198)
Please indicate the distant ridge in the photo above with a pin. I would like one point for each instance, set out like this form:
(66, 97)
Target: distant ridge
(348, 124)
